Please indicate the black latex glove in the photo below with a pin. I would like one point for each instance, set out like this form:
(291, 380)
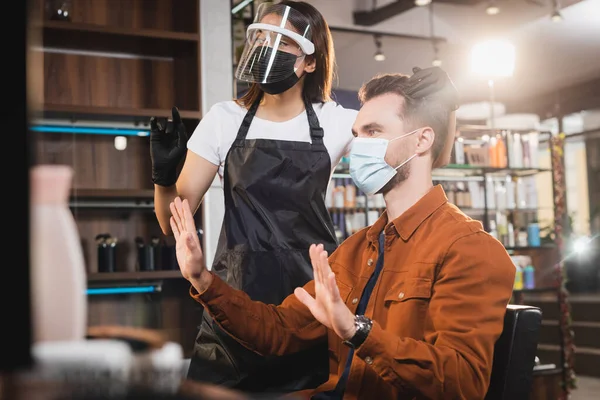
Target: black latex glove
(167, 148)
(433, 81)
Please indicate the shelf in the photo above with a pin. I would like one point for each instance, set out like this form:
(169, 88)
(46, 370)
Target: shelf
(112, 198)
(536, 290)
(75, 27)
(133, 276)
(523, 248)
(465, 169)
(456, 172)
(117, 205)
(145, 194)
(116, 111)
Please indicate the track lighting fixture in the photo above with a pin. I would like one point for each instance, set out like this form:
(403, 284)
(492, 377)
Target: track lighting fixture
(378, 56)
(421, 3)
(492, 8)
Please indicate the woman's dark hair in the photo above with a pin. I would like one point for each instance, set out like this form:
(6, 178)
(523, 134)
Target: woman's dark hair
(318, 84)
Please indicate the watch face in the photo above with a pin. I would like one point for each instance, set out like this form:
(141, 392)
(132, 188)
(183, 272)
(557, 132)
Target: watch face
(363, 326)
(361, 321)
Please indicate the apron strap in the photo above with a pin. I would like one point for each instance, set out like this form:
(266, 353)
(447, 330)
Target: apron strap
(245, 126)
(316, 132)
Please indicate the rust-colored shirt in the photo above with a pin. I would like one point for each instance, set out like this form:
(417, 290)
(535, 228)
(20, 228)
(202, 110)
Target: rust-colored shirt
(438, 307)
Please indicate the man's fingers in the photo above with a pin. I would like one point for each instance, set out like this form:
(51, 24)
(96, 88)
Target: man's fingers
(322, 276)
(180, 215)
(323, 265)
(175, 215)
(334, 291)
(306, 299)
(188, 217)
(324, 260)
(174, 228)
(312, 251)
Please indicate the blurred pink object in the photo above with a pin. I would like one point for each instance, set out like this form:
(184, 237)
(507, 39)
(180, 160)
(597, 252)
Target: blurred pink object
(58, 275)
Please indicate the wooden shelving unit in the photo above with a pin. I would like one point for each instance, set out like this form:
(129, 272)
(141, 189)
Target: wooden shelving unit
(145, 194)
(115, 30)
(133, 276)
(114, 63)
(101, 111)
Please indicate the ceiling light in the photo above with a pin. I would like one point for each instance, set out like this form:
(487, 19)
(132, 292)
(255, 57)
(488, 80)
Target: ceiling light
(493, 58)
(556, 16)
(422, 3)
(436, 62)
(378, 56)
(581, 245)
(492, 9)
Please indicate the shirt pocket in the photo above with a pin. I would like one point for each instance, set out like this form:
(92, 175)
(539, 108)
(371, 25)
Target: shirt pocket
(407, 306)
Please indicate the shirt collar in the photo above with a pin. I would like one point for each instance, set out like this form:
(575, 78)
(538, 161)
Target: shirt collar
(407, 223)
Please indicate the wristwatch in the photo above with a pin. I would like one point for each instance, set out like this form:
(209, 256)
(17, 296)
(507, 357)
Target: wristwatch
(363, 326)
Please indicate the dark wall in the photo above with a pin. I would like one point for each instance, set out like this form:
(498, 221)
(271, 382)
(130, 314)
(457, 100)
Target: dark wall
(15, 335)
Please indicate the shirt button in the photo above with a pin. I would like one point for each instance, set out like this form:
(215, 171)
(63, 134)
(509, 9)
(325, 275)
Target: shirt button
(370, 262)
(368, 360)
(401, 295)
(354, 300)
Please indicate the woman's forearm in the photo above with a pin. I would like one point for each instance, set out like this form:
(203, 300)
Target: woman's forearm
(163, 196)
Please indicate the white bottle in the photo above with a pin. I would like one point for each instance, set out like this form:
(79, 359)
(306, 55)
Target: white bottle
(517, 154)
(58, 276)
(511, 235)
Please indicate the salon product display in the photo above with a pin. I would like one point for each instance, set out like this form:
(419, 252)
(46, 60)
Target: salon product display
(511, 206)
(152, 254)
(504, 149)
(525, 272)
(350, 208)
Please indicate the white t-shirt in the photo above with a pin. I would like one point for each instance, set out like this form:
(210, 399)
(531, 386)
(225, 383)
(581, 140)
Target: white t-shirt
(217, 130)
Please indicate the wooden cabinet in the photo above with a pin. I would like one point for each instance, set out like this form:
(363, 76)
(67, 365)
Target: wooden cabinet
(107, 67)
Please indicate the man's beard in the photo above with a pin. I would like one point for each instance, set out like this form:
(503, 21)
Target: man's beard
(402, 174)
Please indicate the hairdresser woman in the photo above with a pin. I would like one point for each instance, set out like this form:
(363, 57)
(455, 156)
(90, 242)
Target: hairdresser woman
(275, 149)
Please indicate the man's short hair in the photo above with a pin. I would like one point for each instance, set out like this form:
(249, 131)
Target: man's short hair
(416, 113)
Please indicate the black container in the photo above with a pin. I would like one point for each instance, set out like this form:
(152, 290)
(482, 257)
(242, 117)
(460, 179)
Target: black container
(107, 253)
(149, 257)
(146, 258)
(59, 10)
(168, 257)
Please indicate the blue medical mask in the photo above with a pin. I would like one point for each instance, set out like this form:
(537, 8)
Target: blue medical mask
(368, 168)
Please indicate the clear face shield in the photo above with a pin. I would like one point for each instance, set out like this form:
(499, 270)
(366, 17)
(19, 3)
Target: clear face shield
(276, 44)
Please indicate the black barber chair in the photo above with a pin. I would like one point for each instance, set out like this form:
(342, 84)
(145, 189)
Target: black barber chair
(514, 354)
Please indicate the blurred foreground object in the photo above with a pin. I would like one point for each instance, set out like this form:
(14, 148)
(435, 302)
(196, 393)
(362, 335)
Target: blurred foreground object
(58, 276)
(116, 363)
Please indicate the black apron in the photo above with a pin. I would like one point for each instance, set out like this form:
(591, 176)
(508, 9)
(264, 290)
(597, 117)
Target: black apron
(274, 210)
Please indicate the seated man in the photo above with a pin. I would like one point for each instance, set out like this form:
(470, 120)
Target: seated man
(412, 306)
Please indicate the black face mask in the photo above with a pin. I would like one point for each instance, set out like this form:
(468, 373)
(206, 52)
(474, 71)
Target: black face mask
(284, 62)
(280, 86)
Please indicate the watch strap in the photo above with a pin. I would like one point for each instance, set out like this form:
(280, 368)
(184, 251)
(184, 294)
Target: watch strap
(363, 327)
